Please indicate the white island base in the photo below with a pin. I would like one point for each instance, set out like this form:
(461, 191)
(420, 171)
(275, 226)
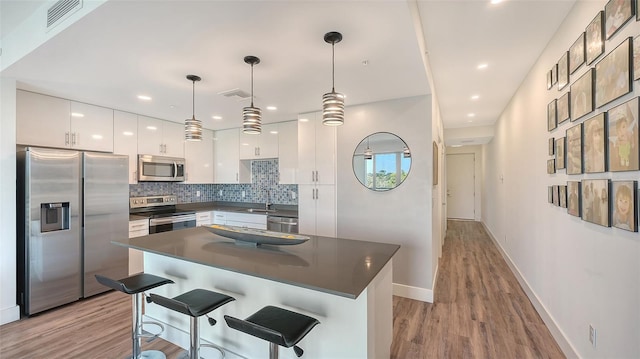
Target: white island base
(349, 328)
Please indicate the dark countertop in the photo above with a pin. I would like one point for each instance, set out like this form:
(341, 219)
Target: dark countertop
(336, 266)
(278, 210)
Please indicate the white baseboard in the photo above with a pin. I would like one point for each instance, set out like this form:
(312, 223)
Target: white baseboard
(416, 293)
(557, 333)
(9, 315)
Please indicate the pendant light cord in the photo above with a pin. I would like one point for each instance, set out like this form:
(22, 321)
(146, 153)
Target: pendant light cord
(251, 85)
(333, 66)
(193, 100)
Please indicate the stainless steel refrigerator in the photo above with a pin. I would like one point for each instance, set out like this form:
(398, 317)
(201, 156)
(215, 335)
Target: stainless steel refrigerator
(71, 205)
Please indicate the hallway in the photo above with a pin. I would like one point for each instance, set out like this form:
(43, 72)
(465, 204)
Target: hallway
(479, 309)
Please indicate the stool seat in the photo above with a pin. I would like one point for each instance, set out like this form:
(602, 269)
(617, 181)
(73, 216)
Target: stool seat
(134, 284)
(194, 303)
(275, 325)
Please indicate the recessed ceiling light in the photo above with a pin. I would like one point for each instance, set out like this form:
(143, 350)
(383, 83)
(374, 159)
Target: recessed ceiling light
(77, 114)
(152, 128)
(273, 132)
(471, 115)
(127, 133)
(144, 97)
(172, 106)
(483, 66)
(303, 120)
(216, 117)
(96, 137)
(493, 2)
(475, 97)
(271, 108)
(456, 145)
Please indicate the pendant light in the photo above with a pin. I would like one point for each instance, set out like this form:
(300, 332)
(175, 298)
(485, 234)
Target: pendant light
(333, 102)
(251, 116)
(193, 127)
(368, 154)
(405, 152)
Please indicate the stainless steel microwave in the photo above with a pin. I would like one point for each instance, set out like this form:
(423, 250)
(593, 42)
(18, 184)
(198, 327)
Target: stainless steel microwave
(160, 169)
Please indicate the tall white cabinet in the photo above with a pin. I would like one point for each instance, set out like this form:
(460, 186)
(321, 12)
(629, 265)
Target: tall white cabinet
(264, 145)
(288, 151)
(55, 122)
(226, 156)
(125, 140)
(316, 176)
(199, 159)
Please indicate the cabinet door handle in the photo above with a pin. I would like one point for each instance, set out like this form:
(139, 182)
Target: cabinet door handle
(165, 148)
(316, 176)
(317, 197)
(66, 138)
(313, 193)
(161, 148)
(237, 178)
(73, 139)
(258, 149)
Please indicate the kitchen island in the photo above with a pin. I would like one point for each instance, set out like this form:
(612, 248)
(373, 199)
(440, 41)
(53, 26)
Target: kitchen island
(345, 284)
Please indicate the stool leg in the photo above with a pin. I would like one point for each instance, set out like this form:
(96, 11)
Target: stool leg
(137, 319)
(194, 346)
(273, 351)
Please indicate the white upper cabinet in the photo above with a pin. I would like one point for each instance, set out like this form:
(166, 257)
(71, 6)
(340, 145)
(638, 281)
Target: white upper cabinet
(288, 151)
(160, 138)
(226, 156)
(91, 127)
(54, 122)
(199, 159)
(264, 145)
(316, 150)
(125, 140)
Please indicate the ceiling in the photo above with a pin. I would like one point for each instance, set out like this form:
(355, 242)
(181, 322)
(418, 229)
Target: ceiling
(126, 48)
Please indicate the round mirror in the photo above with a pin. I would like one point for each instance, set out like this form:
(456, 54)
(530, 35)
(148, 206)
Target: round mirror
(381, 161)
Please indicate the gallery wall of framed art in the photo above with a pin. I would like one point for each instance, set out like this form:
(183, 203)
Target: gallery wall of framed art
(596, 155)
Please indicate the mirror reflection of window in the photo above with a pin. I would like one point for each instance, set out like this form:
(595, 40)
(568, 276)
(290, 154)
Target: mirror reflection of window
(389, 165)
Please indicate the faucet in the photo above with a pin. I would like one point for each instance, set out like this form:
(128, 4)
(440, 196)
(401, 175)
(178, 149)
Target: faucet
(266, 200)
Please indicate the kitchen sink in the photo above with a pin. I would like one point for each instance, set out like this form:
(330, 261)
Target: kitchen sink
(259, 210)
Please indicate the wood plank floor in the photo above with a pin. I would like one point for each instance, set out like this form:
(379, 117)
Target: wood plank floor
(479, 311)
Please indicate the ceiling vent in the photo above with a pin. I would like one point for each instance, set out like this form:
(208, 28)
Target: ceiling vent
(236, 94)
(61, 10)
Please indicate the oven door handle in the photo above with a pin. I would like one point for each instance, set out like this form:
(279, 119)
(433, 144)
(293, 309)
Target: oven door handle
(173, 219)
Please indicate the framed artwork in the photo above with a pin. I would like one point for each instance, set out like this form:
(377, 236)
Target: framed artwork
(594, 144)
(563, 71)
(623, 139)
(562, 194)
(582, 96)
(595, 38)
(613, 74)
(550, 194)
(574, 150)
(617, 13)
(624, 211)
(551, 166)
(573, 198)
(554, 74)
(595, 201)
(562, 108)
(576, 54)
(636, 58)
(549, 85)
(552, 121)
(435, 163)
(560, 163)
(556, 199)
(552, 146)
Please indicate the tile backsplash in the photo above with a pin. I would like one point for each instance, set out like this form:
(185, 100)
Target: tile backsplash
(264, 175)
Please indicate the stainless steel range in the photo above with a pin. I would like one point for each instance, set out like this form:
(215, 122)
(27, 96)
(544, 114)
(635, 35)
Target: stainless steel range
(163, 214)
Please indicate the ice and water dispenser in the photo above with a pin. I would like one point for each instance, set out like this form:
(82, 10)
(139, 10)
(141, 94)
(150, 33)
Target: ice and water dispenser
(54, 216)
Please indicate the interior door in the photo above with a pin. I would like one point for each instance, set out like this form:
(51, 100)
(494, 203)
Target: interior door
(461, 186)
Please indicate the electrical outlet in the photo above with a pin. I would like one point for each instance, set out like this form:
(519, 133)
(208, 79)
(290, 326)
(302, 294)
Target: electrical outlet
(243, 194)
(592, 335)
(293, 195)
(197, 193)
(220, 193)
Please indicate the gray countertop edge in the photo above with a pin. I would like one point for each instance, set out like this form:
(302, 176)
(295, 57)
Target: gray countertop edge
(351, 294)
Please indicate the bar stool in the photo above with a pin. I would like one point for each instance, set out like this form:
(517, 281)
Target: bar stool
(135, 286)
(280, 327)
(195, 303)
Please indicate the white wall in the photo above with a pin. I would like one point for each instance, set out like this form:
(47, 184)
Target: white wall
(9, 311)
(578, 273)
(477, 151)
(402, 215)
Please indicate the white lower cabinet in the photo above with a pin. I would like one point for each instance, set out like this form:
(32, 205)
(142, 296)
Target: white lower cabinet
(257, 221)
(204, 218)
(317, 210)
(137, 228)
